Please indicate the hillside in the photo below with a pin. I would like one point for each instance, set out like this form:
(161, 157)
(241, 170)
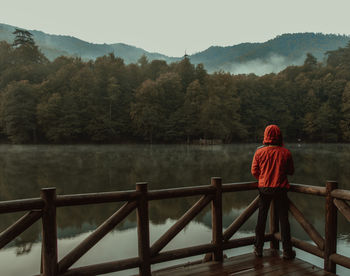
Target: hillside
(56, 45)
(275, 54)
(70, 101)
(260, 58)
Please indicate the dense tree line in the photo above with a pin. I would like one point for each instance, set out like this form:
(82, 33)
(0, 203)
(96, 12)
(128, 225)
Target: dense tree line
(72, 101)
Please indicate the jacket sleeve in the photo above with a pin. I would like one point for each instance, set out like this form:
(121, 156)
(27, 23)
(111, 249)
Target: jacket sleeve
(255, 170)
(290, 164)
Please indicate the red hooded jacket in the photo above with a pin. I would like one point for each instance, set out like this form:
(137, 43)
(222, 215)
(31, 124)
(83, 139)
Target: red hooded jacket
(272, 162)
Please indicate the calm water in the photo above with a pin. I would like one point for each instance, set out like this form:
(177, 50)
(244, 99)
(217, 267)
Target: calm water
(24, 170)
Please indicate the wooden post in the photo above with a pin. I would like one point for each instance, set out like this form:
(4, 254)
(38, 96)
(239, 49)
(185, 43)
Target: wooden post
(143, 230)
(330, 228)
(49, 232)
(274, 226)
(216, 207)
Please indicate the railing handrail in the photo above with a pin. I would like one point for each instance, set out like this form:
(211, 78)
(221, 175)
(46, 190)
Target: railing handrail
(46, 208)
(341, 194)
(19, 205)
(28, 204)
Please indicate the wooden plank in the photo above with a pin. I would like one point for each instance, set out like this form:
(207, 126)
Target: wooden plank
(308, 247)
(180, 224)
(208, 268)
(341, 260)
(251, 265)
(306, 271)
(95, 236)
(264, 268)
(279, 267)
(181, 192)
(189, 268)
(322, 273)
(201, 268)
(240, 186)
(179, 266)
(243, 241)
(241, 219)
(308, 189)
(343, 207)
(308, 227)
(182, 253)
(103, 268)
(246, 265)
(341, 194)
(283, 269)
(96, 198)
(238, 265)
(21, 205)
(18, 227)
(270, 256)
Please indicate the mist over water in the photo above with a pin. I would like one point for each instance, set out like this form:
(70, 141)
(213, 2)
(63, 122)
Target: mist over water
(91, 168)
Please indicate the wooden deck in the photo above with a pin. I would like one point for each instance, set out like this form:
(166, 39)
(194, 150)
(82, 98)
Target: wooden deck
(246, 265)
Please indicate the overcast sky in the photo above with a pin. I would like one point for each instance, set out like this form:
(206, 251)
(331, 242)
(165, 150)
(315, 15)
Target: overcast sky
(171, 27)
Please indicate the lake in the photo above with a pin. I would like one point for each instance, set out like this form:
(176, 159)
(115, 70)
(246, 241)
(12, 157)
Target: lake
(25, 169)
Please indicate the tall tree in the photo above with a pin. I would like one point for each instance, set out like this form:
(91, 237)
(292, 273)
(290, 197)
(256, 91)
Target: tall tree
(26, 51)
(146, 110)
(18, 112)
(5, 56)
(23, 37)
(220, 116)
(345, 109)
(194, 99)
(310, 62)
(186, 71)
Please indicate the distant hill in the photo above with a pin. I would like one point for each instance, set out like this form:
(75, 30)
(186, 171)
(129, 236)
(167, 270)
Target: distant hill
(259, 58)
(54, 46)
(271, 56)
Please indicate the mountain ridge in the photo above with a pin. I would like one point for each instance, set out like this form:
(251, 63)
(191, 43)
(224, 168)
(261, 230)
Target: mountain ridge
(272, 55)
(54, 46)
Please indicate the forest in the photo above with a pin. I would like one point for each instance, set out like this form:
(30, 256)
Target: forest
(107, 101)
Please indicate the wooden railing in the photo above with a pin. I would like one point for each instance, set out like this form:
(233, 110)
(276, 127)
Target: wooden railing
(45, 208)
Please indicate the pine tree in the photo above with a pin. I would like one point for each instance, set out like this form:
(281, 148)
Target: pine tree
(345, 109)
(23, 37)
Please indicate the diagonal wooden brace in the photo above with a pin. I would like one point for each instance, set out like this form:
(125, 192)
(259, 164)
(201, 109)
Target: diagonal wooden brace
(180, 224)
(242, 218)
(96, 236)
(309, 229)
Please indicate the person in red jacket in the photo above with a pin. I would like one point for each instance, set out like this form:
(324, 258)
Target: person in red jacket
(271, 164)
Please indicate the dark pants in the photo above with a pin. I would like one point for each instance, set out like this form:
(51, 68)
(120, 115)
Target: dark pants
(281, 202)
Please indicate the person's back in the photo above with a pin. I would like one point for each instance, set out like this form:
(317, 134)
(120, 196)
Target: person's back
(271, 165)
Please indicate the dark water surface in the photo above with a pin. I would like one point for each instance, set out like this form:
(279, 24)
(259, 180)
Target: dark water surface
(24, 170)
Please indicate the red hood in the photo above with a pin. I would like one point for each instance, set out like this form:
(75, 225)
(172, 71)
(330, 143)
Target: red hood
(273, 136)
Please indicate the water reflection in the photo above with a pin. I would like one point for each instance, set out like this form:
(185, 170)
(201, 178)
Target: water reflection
(78, 169)
(122, 244)
(124, 240)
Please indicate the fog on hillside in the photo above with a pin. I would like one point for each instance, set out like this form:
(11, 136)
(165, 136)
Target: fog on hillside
(259, 67)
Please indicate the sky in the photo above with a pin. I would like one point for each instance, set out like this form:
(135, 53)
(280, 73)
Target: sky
(173, 27)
